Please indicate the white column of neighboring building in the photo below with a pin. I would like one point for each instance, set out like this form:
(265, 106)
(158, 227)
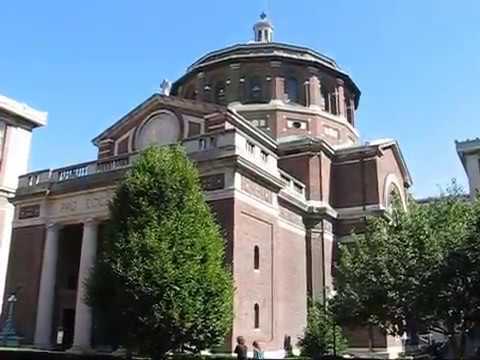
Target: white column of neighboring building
(472, 166)
(46, 296)
(16, 123)
(83, 312)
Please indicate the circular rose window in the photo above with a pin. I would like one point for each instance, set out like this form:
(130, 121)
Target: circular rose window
(160, 129)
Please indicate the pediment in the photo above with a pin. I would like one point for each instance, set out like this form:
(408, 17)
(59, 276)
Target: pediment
(158, 120)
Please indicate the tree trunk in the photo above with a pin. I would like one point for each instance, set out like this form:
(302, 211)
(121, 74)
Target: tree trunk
(453, 341)
(463, 342)
(370, 337)
(412, 332)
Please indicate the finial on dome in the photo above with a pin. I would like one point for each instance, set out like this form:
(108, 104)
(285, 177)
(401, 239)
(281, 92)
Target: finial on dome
(263, 29)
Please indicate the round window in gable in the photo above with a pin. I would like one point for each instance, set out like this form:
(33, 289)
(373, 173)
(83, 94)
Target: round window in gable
(162, 128)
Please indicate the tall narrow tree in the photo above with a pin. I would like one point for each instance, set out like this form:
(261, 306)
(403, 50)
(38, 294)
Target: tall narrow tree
(161, 280)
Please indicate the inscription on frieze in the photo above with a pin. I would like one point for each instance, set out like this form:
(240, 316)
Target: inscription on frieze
(213, 182)
(83, 204)
(29, 212)
(256, 190)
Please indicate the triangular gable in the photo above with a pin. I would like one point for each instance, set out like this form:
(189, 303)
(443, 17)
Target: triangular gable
(155, 101)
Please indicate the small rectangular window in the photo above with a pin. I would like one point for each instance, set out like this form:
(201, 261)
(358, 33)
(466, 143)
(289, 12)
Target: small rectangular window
(122, 146)
(194, 128)
(250, 147)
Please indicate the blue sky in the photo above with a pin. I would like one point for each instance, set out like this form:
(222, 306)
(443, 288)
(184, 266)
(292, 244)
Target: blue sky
(87, 63)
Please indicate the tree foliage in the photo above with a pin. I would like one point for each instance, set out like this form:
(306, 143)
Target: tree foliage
(161, 282)
(322, 334)
(414, 270)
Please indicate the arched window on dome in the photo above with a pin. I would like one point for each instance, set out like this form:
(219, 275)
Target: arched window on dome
(220, 95)
(350, 106)
(291, 89)
(334, 102)
(325, 98)
(255, 89)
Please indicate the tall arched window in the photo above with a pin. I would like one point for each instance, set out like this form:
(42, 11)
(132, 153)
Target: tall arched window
(255, 93)
(256, 258)
(291, 89)
(220, 92)
(326, 98)
(334, 102)
(256, 310)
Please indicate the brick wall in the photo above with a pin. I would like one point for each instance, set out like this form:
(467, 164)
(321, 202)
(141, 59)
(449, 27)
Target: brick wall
(24, 269)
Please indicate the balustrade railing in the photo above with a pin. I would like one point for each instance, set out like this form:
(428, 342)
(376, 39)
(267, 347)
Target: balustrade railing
(75, 171)
(293, 185)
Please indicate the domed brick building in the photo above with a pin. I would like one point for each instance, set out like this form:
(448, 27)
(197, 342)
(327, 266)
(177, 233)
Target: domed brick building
(272, 129)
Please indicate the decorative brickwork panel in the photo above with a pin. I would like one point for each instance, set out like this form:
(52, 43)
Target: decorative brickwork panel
(256, 190)
(291, 216)
(254, 286)
(213, 182)
(28, 212)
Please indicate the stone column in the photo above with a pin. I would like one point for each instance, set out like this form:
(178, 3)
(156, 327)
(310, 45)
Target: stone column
(341, 98)
(320, 258)
(46, 295)
(328, 256)
(83, 312)
(314, 247)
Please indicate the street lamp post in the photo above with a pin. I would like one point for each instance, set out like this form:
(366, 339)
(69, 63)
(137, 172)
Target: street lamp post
(8, 335)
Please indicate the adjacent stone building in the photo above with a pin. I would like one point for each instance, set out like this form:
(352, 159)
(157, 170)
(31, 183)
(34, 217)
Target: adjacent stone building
(273, 132)
(17, 121)
(469, 153)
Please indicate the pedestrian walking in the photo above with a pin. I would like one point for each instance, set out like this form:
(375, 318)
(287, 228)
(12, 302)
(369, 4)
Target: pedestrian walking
(257, 351)
(241, 349)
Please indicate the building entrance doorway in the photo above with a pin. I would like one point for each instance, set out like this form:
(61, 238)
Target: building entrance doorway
(68, 326)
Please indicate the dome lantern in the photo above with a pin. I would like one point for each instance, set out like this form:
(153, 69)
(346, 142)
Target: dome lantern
(263, 30)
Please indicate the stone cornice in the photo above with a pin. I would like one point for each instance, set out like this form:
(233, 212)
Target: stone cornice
(27, 113)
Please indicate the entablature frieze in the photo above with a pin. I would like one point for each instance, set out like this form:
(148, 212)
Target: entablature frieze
(64, 209)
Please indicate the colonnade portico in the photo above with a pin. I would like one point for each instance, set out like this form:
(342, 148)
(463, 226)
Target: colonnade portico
(46, 295)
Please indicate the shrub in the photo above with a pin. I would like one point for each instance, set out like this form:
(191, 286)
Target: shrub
(322, 335)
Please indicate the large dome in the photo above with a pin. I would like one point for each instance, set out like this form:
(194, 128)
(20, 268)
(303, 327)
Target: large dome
(285, 89)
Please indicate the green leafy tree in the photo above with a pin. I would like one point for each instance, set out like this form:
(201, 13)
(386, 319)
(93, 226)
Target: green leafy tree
(405, 274)
(456, 285)
(322, 334)
(161, 281)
